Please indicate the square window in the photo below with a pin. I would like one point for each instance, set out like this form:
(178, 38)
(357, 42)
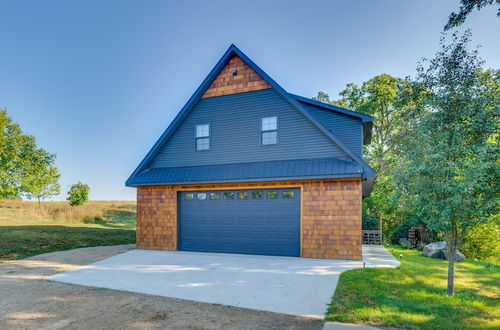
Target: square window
(272, 194)
(189, 196)
(257, 194)
(288, 194)
(215, 196)
(243, 195)
(269, 138)
(202, 196)
(202, 130)
(203, 144)
(269, 123)
(229, 195)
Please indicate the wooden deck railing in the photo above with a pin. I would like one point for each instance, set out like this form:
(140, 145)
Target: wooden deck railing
(372, 236)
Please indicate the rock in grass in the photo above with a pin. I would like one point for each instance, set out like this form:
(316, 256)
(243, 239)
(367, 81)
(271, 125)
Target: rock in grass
(433, 250)
(438, 250)
(458, 256)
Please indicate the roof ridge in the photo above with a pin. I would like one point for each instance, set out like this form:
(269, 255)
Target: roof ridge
(364, 117)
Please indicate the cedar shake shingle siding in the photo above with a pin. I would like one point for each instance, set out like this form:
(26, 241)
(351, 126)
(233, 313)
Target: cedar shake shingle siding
(330, 221)
(244, 80)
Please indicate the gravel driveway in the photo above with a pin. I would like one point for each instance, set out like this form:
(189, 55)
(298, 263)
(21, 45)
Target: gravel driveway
(30, 302)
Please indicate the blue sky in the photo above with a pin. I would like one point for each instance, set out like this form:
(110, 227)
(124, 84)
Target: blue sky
(97, 82)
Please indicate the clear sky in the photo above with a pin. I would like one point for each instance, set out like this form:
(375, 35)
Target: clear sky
(97, 82)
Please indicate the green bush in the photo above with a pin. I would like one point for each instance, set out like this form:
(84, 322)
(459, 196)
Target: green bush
(370, 221)
(78, 194)
(401, 231)
(483, 242)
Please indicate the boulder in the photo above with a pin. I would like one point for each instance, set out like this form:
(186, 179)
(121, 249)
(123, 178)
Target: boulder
(458, 256)
(434, 250)
(438, 250)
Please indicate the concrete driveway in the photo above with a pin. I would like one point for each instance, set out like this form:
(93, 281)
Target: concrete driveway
(295, 286)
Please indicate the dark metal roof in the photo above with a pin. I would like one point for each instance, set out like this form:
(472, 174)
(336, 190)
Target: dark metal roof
(362, 116)
(251, 172)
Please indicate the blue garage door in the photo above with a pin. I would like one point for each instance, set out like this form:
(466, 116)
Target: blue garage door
(240, 221)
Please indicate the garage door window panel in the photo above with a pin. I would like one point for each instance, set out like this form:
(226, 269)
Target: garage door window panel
(243, 195)
(272, 195)
(215, 196)
(257, 194)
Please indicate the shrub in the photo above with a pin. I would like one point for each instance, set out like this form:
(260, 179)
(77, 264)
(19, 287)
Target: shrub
(401, 231)
(370, 221)
(405, 243)
(78, 194)
(483, 242)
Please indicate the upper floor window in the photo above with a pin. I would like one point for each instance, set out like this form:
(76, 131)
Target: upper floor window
(269, 130)
(202, 137)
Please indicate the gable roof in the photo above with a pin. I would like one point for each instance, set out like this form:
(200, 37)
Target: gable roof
(232, 51)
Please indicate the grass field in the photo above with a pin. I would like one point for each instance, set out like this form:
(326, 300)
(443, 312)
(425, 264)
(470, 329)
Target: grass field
(27, 229)
(414, 295)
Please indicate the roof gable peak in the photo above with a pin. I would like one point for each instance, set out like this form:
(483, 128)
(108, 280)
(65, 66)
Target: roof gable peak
(205, 85)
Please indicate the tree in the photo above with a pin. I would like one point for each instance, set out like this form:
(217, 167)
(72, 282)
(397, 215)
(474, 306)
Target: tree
(448, 168)
(40, 178)
(78, 194)
(381, 98)
(322, 97)
(25, 169)
(12, 142)
(466, 7)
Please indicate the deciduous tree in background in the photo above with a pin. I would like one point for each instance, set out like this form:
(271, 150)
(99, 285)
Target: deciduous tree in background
(447, 169)
(78, 194)
(25, 169)
(379, 97)
(13, 144)
(466, 7)
(40, 178)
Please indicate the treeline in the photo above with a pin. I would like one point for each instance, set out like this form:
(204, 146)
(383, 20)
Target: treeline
(435, 148)
(25, 169)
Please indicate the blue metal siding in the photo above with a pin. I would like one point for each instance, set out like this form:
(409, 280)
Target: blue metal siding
(347, 128)
(250, 226)
(235, 133)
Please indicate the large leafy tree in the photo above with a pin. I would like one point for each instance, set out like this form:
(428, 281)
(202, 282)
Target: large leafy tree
(466, 7)
(25, 169)
(448, 165)
(14, 147)
(381, 98)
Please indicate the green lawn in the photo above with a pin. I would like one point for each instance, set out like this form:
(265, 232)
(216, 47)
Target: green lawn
(414, 295)
(22, 238)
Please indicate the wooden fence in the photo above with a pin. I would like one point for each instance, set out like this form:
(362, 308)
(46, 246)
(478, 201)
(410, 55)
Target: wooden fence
(372, 236)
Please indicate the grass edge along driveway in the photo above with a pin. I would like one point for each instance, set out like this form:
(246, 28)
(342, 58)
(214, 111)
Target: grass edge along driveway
(414, 294)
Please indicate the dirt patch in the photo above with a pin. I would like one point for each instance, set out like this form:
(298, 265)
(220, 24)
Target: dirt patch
(31, 302)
